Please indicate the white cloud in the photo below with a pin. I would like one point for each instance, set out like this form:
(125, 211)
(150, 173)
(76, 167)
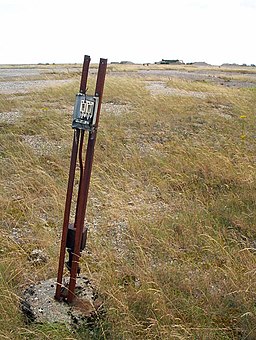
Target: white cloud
(248, 3)
(63, 31)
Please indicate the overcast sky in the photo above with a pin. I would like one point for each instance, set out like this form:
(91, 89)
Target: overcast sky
(214, 31)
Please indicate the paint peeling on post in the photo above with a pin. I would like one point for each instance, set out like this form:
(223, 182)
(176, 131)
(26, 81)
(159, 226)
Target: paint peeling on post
(85, 119)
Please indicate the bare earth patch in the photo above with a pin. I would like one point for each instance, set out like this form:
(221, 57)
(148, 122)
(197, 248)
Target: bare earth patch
(224, 111)
(219, 77)
(24, 86)
(160, 88)
(41, 145)
(116, 109)
(10, 117)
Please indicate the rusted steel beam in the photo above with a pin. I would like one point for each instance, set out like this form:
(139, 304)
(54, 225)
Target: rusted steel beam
(85, 72)
(85, 183)
(80, 157)
(67, 212)
(69, 194)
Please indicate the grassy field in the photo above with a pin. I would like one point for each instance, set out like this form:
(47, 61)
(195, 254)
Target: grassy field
(171, 214)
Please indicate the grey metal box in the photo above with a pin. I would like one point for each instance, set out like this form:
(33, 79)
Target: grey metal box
(85, 112)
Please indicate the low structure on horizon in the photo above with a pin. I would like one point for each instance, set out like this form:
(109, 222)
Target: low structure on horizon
(170, 62)
(123, 62)
(237, 65)
(199, 63)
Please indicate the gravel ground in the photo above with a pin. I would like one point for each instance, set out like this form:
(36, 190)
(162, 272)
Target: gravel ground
(213, 76)
(217, 77)
(18, 72)
(23, 86)
(41, 145)
(159, 87)
(9, 84)
(10, 117)
(22, 80)
(116, 109)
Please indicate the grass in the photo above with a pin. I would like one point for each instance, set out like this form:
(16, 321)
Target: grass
(171, 211)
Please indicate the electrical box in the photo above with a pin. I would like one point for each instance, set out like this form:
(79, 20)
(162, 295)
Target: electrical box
(85, 112)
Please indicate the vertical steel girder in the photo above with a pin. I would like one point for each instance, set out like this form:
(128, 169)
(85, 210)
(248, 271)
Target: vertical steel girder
(84, 183)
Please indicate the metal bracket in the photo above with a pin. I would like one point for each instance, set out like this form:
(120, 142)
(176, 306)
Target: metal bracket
(71, 237)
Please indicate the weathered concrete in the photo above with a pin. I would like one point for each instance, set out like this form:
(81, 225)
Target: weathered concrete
(38, 304)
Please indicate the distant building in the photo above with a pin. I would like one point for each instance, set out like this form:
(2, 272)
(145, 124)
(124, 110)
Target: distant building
(199, 63)
(122, 62)
(170, 62)
(230, 65)
(126, 62)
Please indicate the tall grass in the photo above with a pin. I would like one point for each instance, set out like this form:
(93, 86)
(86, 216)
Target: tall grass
(171, 213)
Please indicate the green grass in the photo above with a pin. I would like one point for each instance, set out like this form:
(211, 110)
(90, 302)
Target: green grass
(171, 243)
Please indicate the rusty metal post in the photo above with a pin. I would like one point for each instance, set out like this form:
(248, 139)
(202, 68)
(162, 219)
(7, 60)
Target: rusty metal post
(67, 212)
(71, 178)
(85, 72)
(85, 182)
(83, 189)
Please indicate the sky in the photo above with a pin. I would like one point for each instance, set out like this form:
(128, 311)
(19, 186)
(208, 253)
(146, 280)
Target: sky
(61, 31)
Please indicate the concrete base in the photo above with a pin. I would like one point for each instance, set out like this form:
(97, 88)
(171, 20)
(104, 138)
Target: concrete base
(38, 304)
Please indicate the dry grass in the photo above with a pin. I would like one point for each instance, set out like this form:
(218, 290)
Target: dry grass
(172, 237)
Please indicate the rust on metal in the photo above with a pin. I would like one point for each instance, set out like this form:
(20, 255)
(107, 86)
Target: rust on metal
(67, 212)
(85, 183)
(78, 230)
(85, 72)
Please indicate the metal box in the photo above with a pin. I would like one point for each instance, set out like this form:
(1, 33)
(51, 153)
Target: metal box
(85, 112)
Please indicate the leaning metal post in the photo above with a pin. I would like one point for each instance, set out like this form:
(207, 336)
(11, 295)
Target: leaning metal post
(67, 213)
(85, 181)
(87, 119)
